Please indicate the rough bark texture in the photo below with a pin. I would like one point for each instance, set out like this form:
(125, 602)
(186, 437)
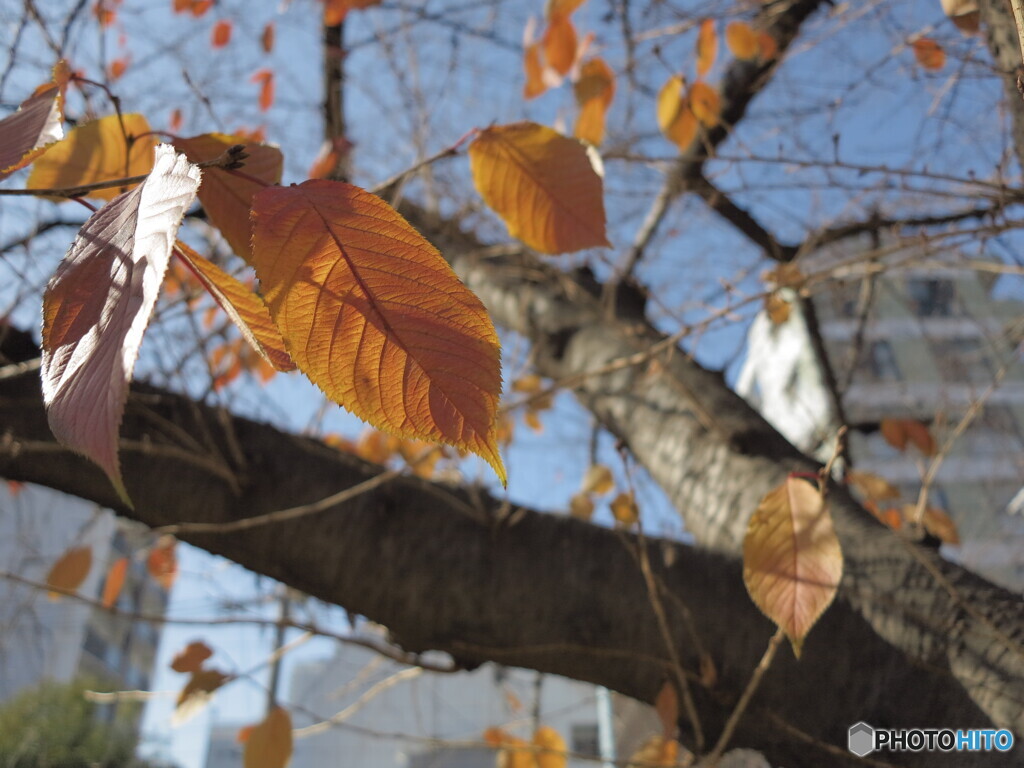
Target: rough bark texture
(449, 570)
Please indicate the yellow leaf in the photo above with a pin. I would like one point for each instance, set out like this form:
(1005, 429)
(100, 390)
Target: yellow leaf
(530, 384)
(197, 693)
(532, 419)
(742, 40)
(707, 47)
(542, 184)
(227, 197)
(559, 44)
(792, 563)
(929, 54)
(598, 479)
(514, 752)
(656, 751)
(375, 316)
(705, 103)
(269, 744)
(675, 118)
(70, 570)
(552, 747)
(96, 151)
(872, 486)
(581, 506)
(115, 581)
(246, 309)
(594, 92)
(625, 510)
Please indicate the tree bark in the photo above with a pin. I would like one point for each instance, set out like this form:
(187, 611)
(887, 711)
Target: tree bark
(449, 569)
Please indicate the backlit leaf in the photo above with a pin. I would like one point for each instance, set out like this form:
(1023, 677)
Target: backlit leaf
(162, 562)
(559, 44)
(269, 744)
(246, 309)
(197, 694)
(929, 54)
(675, 118)
(221, 34)
(742, 40)
(227, 197)
(594, 91)
(38, 123)
(705, 103)
(117, 68)
(376, 317)
(624, 509)
(707, 47)
(542, 184)
(598, 479)
(191, 657)
(561, 7)
(115, 581)
(98, 303)
(533, 67)
(792, 563)
(96, 151)
(71, 569)
(553, 750)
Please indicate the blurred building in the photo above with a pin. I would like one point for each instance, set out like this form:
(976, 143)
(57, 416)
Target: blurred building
(924, 340)
(60, 640)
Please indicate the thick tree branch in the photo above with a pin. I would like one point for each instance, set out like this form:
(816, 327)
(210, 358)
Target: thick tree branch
(527, 589)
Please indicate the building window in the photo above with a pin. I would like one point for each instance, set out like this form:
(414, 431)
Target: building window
(931, 298)
(883, 362)
(962, 361)
(585, 740)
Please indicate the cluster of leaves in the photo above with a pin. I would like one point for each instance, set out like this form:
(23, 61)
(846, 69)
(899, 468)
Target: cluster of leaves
(351, 294)
(72, 568)
(599, 481)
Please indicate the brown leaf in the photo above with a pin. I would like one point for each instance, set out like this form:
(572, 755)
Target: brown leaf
(929, 54)
(705, 103)
(114, 582)
(777, 308)
(197, 693)
(581, 506)
(872, 486)
(71, 569)
(666, 704)
(191, 657)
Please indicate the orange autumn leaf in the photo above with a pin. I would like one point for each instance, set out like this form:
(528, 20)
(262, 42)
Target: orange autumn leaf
(104, 12)
(675, 118)
(227, 197)
(174, 124)
(552, 751)
(769, 48)
(221, 34)
(335, 11)
(705, 103)
(267, 38)
(929, 54)
(707, 47)
(666, 704)
(535, 84)
(542, 184)
(162, 563)
(594, 91)
(96, 151)
(562, 7)
(901, 432)
(71, 569)
(624, 509)
(742, 40)
(777, 308)
(246, 309)
(269, 744)
(265, 78)
(514, 752)
(200, 7)
(117, 68)
(191, 657)
(597, 479)
(115, 581)
(559, 44)
(393, 335)
(792, 563)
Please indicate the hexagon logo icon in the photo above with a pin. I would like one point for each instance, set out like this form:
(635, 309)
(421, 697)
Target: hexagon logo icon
(861, 739)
